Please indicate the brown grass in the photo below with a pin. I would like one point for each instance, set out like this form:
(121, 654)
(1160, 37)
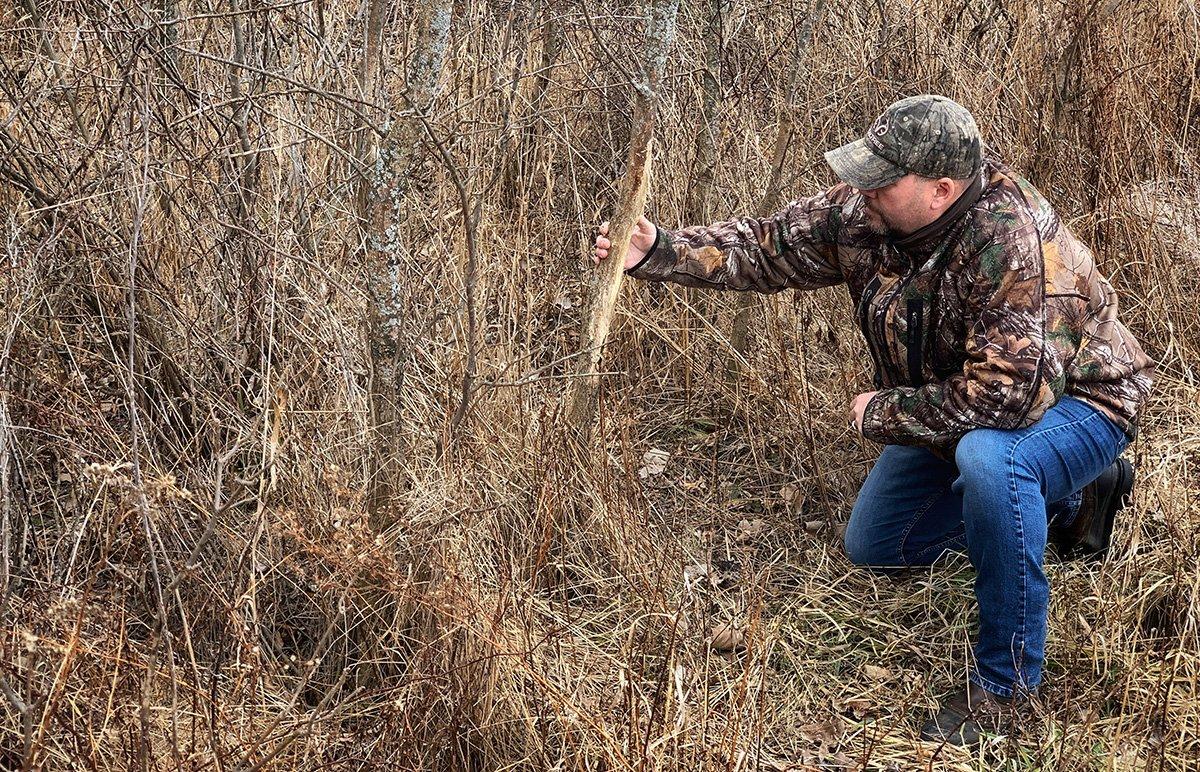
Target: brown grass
(192, 575)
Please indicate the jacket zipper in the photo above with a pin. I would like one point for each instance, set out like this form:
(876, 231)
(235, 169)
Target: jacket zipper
(916, 310)
(881, 320)
(864, 310)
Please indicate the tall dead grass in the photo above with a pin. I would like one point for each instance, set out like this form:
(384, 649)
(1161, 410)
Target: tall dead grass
(192, 575)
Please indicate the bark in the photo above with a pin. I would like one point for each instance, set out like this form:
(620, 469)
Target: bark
(698, 207)
(512, 191)
(241, 180)
(581, 395)
(368, 74)
(739, 336)
(384, 246)
(552, 40)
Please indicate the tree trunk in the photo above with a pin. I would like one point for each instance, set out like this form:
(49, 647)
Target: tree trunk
(531, 136)
(384, 223)
(368, 75)
(739, 336)
(581, 394)
(698, 207)
(701, 192)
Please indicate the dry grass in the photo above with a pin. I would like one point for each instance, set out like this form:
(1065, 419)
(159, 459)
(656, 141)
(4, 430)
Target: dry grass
(193, 578)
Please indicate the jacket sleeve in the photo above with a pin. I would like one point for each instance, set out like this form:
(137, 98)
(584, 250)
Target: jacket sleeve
(794, 248)
(1010, 376)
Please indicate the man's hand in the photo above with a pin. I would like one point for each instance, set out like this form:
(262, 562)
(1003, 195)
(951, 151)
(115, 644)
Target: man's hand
(857, 408)
(644, 234)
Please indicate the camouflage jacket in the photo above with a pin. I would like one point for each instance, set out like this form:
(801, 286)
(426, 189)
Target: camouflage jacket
(982, 319)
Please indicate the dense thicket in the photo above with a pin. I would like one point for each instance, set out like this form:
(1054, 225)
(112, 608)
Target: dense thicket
(292, 292)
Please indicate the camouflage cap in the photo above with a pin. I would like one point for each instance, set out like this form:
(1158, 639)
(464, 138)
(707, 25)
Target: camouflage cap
(929, 135)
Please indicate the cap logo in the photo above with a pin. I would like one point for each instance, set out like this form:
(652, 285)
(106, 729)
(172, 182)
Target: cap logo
(882, 126)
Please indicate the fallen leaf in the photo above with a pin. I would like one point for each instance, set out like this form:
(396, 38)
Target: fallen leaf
(793, 497)
(877, 673)
(749, 530)
(653, 462)
(814, 526)
(826, 733)
(564, 302)
(857, 707)
(726, 637)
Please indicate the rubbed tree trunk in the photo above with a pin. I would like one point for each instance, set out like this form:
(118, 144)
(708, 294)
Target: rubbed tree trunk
(581, 395)
(384, 223)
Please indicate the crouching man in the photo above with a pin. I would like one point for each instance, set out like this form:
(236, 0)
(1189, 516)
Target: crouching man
(1006, 388)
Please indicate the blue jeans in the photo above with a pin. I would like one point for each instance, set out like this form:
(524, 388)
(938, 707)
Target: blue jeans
(996, 499)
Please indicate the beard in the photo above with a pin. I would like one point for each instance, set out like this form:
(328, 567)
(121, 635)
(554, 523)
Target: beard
(876, 222)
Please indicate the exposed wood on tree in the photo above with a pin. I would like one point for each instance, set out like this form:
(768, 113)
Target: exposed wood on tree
(660, 33)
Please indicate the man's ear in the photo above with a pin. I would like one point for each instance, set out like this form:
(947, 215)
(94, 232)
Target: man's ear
(944, 192)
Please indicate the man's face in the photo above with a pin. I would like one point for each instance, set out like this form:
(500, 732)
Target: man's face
(902, 207)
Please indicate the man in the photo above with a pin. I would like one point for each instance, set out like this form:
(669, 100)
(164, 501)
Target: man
(1005, 386)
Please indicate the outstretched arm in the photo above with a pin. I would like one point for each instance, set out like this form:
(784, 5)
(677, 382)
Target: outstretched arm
(794, 248)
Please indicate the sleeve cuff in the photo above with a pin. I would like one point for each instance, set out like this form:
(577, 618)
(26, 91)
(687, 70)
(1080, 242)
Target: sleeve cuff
(658, 242)
(873, 426)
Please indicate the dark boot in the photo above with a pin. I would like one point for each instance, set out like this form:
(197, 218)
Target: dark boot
(968, 715)
(1089, 535)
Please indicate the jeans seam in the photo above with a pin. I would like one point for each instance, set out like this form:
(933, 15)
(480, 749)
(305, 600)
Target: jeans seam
(941, 545)
(1016, 501)
(1012, 488)
(912, 523)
